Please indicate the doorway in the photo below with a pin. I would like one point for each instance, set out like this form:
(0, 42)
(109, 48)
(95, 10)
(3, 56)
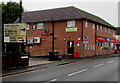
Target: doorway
(70, 47)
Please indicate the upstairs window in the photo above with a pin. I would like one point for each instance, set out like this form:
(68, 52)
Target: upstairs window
(97, 27)
(86, 24)
(93, 26)
(109, 31)
(71, 23)
(40, 26)
(101, 28)
(105, 29)
(27, 27)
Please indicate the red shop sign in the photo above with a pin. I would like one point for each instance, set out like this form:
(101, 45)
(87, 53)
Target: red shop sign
(112, 40)
(100, 38)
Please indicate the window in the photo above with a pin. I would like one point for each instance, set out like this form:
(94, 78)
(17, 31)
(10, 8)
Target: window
(100, 45)
(85, 46)
(34, 27)
(71, 23)
(88, 47)
(105, 29)
(109, 31)
(97, 27)
(114, 33)
(93, 47)
(101, 28)
(27, 27)
(86, 24)
(40, 26)
(93, 26)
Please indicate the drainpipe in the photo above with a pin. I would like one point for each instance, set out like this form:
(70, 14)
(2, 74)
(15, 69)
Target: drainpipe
(52, 35)
(95, 39)
(82, 45)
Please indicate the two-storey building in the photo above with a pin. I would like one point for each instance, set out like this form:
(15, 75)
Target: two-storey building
(75, 31)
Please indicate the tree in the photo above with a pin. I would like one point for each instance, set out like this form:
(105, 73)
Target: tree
(10, 12)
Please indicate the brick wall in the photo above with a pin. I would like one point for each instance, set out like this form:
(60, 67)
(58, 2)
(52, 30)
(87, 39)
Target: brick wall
(61, 45)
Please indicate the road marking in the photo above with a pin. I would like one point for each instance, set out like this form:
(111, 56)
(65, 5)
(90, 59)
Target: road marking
(77, 72)
(53, 80)
(110, 61)
(19, 74)
(98, 65)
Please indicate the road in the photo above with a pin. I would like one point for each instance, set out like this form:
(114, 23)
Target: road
(91, 69)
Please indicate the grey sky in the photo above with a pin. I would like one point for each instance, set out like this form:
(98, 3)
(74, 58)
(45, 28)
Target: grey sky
(106, 9)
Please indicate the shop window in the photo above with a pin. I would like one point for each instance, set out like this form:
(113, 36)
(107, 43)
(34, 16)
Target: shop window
(40, 26)
(86, 24)
(34, 27)
(93, 26)
(113, 45)
(100, 45)
(27, 26)
(71, 23)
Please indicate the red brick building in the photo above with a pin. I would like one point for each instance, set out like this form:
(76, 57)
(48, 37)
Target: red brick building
(76, 31)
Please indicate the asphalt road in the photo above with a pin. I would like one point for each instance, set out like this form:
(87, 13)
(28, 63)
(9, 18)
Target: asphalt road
(103, 69)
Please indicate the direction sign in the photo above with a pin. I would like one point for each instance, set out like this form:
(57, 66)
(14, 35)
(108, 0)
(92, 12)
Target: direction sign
(14, 33)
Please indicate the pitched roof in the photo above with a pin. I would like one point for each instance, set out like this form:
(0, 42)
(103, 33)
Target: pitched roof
(60, 14)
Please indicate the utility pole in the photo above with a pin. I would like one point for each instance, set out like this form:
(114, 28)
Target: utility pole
(20, 18)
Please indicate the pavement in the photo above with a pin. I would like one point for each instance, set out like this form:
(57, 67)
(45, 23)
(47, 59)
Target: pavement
(36, 63)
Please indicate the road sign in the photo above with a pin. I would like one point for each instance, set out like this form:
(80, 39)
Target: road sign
(14, 33)
(85, 39)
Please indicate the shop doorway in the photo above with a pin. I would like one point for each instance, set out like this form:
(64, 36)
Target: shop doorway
(70, 48)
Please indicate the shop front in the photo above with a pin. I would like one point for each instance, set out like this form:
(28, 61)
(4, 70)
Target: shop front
(105, 45)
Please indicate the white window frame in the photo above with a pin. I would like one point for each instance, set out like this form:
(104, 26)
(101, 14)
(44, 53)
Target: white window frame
(71, 23)
(109, 30)
(97, 27)
(101, 28)
(40, 25)
(93, 26)
(86, 24)
(27, 26)
(105, 29)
